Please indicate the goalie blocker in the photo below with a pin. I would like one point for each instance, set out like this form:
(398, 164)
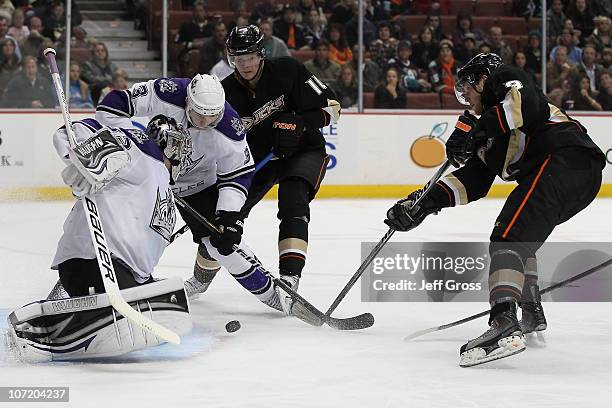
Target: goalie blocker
(88, 327)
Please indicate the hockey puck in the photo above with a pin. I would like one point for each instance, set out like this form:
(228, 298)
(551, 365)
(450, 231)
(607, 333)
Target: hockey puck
(232, 326)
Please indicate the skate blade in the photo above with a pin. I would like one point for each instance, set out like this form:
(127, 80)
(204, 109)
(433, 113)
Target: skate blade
(508, 346)
(538, 328)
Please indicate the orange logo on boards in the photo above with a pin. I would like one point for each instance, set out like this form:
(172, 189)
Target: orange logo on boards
(429, 150)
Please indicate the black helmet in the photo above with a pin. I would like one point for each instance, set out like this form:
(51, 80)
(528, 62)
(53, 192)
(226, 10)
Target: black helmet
(245, 40)
(473, 70)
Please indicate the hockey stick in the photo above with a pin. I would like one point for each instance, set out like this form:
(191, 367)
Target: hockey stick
(185, 227)
(383, 242)
(98, 237)
(486, 312)
(305, 310)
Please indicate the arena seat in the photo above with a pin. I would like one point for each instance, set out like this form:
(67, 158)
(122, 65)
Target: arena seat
(368, 100)
(449, 101)
(429, 100)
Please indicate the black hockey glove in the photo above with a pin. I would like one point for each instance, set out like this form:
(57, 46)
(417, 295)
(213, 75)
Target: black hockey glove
(287, 133)
(402, 217)
(465, 139)
(230, 224)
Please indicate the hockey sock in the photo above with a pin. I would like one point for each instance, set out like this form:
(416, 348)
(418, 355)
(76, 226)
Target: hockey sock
(206, 267)
(506, 276)
(292, 245)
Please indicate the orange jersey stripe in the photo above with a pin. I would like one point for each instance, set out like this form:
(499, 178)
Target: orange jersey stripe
(535, 181)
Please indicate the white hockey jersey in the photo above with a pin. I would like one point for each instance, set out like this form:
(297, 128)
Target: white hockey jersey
(136, 207)
(220, 155)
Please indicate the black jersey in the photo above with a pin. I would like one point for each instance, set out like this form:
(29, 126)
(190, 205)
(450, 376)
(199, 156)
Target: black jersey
(523, 129)
(285, 85)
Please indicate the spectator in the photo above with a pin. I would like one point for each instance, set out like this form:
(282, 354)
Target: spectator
(18, 30)
(582, 16)
(372, 73)
(287, 30)
(555, 18)
(410, 79)
(428, 6)
(576, 34)
(384, 47)
(601, 34)
(6, 9)
(605, 93)
(274, 46)
(465, 26)
(222, 69)
(559, 70)
(80, 39)
(79, 91)
(533, 52)
(351, 29)
(467, 50)
(425, 49)
(343, 12)
(567, 40)
(322, 66)
(499, 46)
(589, 68)
(28, 89)
(485, 48)
(314, 28)
(192, 33)
(526, 8)
(433, 21)
(602, 7)
(520, 61)
(390, 95)
(346, 88)
(32, 44)
(120, 83)
(265, 10)
(339, 50)
(606, 58)
(375, 11)
(443, 71)
(9, 61)
(54, 21)
(581, 97)
(213, 48)
(98, 70)
(304, 7)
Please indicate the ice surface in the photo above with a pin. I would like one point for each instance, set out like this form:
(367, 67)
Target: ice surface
(281, 362)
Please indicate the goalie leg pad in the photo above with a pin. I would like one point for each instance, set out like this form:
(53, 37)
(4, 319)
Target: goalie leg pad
(88, 327)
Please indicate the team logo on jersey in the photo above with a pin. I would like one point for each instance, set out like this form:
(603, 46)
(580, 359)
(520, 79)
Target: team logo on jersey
(264, 112)
(140, 90)
(139, 135)
(238, 126)
(164, 215)
(165, 85)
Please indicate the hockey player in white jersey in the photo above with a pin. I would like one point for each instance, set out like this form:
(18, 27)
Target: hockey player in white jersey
(129, 176)
(216, 182)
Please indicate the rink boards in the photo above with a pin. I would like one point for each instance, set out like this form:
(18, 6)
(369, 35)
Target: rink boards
(382, 154)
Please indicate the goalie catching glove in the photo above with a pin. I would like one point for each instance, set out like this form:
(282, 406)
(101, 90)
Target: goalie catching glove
(465, 140)
(287, 133)
(95, 162)
(404, 215)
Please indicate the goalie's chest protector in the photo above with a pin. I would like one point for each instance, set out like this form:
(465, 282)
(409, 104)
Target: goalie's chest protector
(136, 208)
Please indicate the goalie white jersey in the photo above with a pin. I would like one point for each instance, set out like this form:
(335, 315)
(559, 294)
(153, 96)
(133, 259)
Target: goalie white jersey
(136, 207)
(220, 155)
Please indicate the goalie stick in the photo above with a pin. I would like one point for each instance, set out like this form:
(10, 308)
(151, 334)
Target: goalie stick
(382, 243)
(185, 227)
(557, 285)
(98, 237)
(301, 308)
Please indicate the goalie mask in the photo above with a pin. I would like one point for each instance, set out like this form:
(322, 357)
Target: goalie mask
(174, 141)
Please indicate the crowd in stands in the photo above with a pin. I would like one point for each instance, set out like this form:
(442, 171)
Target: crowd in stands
(26, 29)
(398, 63)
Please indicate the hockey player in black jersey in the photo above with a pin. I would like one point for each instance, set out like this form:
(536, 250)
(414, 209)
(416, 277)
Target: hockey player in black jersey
(283, 106)
(520, 136)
